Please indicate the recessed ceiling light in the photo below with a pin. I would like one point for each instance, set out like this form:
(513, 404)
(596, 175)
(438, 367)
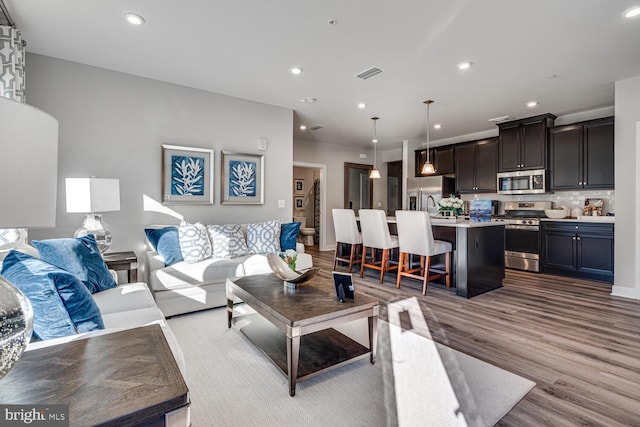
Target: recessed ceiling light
(437, 126)
(632, 12)
(134, 18)
(303, 127)
(465, 65)
(296, 70)
(362, 105)
(309, 100)
(532, 104)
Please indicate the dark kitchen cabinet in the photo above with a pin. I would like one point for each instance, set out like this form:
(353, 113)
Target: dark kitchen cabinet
(582, 155)
(523, 143)
(441, 157)
(476, 165)
(577, 249)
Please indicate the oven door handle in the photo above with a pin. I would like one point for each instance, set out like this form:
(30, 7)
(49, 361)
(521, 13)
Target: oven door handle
(522, 227)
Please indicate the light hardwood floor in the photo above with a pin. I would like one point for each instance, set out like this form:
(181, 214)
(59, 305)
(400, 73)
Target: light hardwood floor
(577, 342)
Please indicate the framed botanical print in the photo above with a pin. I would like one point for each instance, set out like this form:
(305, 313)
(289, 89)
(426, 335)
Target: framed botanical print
(187, 175)
(298, 185)
(242, 179)
(298, 202)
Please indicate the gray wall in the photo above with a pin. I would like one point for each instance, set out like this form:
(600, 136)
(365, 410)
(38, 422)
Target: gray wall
(112, 125)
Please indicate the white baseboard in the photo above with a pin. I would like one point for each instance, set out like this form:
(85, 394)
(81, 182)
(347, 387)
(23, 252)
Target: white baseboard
(621, 291)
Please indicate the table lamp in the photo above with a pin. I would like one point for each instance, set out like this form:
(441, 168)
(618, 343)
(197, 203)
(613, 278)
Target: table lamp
(28, 190)
(91, 195)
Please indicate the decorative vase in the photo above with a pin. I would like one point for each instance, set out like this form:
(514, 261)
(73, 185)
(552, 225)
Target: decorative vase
(448, 213)
(16, 325)
(282, 271)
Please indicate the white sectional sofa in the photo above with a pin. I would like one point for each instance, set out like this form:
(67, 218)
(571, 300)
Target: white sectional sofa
(125, 307)
(184, 287)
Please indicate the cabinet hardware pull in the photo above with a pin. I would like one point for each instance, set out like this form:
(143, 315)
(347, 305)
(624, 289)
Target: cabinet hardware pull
(578, 238)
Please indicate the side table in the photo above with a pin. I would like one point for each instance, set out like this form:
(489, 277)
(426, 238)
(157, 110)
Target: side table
(123, 261)
(126, 378)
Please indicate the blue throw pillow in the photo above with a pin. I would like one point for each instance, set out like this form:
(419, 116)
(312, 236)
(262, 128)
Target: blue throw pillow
(80, 257)
(288, 233)
(165, 241)
(62, 305)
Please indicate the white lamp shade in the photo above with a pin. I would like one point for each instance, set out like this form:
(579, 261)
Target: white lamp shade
(28, 166)
(86, 195)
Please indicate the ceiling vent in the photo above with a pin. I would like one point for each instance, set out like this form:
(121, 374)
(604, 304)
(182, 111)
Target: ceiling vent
(501, 119)
(368, 73)
(316, 127)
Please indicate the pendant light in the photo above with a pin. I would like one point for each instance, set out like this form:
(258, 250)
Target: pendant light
(375, 173)
(428, 168)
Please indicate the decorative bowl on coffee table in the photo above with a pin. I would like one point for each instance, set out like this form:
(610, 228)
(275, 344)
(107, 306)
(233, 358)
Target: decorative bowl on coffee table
(282, 271)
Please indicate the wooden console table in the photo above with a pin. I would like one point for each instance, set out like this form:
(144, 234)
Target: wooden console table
(127, 378)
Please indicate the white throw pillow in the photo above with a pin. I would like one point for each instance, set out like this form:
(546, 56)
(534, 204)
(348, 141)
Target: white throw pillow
(194, 242)
(227, 241)
(263, 238)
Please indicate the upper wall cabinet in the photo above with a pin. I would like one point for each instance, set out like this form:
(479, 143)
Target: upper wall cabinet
(441, 157)
(582, 155)
(476, 166)
(523, 143)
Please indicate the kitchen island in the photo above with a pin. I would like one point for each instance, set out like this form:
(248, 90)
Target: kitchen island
(478, 253)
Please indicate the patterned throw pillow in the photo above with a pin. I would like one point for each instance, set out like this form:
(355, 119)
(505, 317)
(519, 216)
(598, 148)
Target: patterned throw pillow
(194, 242)
(227, 240)
(10, 235)
(263, 238)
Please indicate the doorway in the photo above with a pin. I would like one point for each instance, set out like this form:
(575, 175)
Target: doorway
(309, 198)
(358, 187)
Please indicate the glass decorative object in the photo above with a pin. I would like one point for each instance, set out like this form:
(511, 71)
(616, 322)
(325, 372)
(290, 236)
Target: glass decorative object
(93, 224)
(16, 325)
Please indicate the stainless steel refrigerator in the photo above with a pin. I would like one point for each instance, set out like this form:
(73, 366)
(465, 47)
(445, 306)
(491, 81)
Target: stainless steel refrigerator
(423, 194)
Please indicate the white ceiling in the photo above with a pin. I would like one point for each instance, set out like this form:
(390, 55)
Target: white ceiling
(245, 48)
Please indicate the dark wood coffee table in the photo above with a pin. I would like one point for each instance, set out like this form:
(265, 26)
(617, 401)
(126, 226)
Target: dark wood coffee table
(299, 337)
(126, 378)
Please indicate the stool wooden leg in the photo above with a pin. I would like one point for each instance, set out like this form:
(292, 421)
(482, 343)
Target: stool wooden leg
(364, 255)
(335, 255)
(448, 269)
(383, 264)
(400, 268)
(425, 283)
(353, 252)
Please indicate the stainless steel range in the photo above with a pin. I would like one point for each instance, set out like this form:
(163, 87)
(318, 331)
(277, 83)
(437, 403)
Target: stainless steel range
(522, 234)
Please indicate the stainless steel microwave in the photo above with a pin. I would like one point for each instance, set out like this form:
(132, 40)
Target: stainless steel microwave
(522, 182)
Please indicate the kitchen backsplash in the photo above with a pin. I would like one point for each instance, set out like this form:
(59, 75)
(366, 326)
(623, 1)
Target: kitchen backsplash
(570, 199)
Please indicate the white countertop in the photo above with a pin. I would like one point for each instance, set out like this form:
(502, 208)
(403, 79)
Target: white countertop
(605, 219)
(450, 223)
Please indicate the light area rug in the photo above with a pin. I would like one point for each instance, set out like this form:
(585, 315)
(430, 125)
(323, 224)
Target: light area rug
(232, 383)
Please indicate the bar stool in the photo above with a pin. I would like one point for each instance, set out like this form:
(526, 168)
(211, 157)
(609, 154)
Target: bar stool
(346, 229)
(416, 237)
(375, 235)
